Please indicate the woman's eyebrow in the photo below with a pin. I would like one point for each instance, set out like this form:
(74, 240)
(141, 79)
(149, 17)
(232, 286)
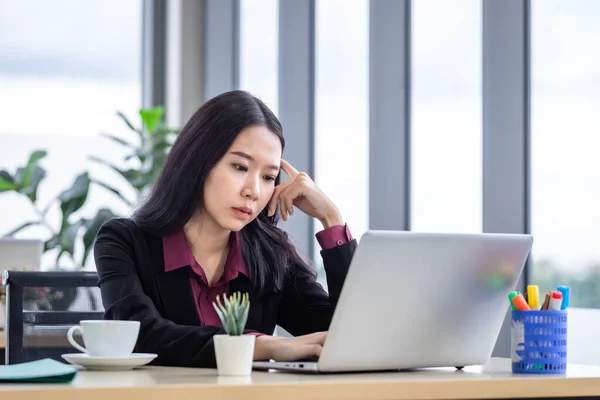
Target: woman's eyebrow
(250, 158)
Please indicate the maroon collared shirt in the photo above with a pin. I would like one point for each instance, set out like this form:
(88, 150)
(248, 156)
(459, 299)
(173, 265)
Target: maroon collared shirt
(178, 254)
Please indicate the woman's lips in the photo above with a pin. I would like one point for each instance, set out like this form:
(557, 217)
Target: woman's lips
(241, 213)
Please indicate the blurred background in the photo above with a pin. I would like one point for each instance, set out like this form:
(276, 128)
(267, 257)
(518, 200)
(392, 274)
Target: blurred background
(424, 115)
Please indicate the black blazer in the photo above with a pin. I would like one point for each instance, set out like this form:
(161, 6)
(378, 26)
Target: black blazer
(135, 286)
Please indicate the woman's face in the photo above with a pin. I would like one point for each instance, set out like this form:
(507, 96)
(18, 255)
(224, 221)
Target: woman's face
(241, 184)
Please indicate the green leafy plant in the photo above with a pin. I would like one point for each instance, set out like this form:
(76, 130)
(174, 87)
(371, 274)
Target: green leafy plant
(233, 312)
(147, 153)
(26, 180)
(148, 147)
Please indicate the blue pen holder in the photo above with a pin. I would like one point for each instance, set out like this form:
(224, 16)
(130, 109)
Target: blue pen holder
(539, 342)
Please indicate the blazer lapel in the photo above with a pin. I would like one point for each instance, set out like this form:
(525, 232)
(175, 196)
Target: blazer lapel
(174, 289)
(176, 294)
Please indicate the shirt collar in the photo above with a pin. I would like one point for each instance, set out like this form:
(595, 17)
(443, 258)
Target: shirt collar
(177, 254)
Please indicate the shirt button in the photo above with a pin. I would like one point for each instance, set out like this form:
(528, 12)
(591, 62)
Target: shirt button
(340, 242)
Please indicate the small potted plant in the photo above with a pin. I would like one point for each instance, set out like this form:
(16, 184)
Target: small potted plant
(234, 351)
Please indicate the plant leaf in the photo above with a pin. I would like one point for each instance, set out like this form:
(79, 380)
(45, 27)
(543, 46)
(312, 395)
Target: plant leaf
(228, 305)
(21, 227)
(140, 154)
(118, 140)
(68, 234)
(51, 243)
(233, 327)
(164, 133)
(19, 177)
(219, 303)
(144, 182)
(34, 158)
(6, 184)
(30, 190)
(106, 163)
(92, 227)
(244, 309)
(130, 125)
(242, 321)
(6, 176)
(60, 253)
(239, 311)
(151, 117)
(157, 150)
(47, 208)
(73, 198)
(220, 314)
(115, 191)
(133, 176)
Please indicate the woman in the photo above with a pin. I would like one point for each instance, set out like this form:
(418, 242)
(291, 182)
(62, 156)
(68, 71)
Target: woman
(209, 227)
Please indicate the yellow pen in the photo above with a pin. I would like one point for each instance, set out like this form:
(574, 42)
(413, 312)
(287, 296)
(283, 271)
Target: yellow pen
(533, 297)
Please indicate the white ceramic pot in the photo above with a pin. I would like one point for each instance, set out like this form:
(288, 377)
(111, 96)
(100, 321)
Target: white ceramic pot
(234, 354)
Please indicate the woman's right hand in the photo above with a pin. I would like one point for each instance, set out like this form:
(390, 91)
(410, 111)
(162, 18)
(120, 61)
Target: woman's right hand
(306, 347)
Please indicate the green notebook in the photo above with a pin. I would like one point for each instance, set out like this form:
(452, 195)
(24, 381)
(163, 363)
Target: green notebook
(46, 370)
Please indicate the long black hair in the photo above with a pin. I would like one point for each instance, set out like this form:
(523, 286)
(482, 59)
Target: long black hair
(179, 189)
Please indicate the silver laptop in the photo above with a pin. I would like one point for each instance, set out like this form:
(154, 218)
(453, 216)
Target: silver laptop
(20, 254)
(416, 300)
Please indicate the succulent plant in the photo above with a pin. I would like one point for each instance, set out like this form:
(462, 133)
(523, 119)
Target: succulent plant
(233, 312)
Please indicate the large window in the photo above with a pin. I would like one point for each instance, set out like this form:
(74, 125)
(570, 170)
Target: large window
(446, 116)
(67, 67)
(259, 45)
(342, 109)
(565, 138)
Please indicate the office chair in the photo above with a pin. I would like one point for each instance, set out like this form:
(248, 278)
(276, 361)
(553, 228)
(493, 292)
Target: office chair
(35, 328)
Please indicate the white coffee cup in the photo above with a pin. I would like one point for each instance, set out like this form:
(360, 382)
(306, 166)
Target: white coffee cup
(106, 338)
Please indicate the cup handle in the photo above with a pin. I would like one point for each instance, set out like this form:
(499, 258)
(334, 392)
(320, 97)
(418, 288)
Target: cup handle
(72, 341)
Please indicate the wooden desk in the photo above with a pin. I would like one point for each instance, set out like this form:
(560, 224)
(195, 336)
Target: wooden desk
(159, 383)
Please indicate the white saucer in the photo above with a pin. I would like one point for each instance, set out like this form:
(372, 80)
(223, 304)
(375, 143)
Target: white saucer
(109, 363)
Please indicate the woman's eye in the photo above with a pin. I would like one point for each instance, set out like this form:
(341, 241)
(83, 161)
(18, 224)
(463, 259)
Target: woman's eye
(270, 178)
(240, 167)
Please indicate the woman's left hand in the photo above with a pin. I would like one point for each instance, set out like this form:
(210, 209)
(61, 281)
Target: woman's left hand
(302, 192)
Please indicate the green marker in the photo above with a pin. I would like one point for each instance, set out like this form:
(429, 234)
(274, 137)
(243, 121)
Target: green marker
(510, 297)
